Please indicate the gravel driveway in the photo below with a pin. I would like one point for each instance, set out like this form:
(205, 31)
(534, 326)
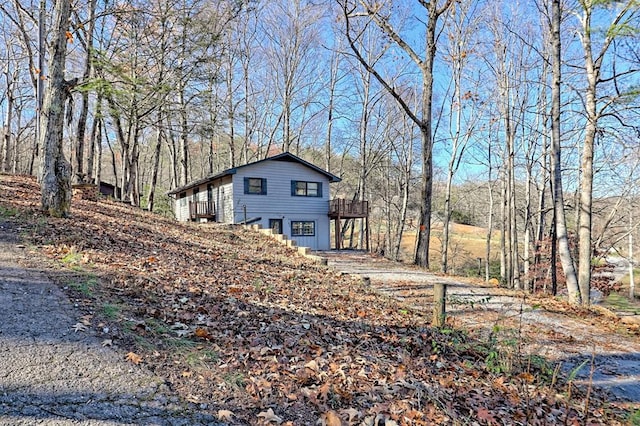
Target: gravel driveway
(480, 307)
(54, 374)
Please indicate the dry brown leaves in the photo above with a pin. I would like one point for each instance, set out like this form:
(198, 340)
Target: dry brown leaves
(262, 336)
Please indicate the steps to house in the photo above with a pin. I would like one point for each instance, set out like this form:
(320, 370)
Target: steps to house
(284, 240)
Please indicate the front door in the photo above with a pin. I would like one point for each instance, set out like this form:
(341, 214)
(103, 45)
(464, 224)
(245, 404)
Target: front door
(276, 225)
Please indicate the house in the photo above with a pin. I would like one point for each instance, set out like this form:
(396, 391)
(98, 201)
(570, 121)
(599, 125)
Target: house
(283, 192)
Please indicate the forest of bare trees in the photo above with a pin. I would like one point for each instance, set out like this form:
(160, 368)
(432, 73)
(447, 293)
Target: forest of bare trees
(518, 117)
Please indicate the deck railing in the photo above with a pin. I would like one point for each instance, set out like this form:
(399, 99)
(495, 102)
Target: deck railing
(348, 208)
(202, 210)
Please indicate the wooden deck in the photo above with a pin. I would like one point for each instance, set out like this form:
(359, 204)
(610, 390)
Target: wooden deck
(202, 210)
(340, 209)
(348, 209)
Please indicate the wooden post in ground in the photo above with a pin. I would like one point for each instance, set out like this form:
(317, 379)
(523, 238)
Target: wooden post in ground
(439, 307)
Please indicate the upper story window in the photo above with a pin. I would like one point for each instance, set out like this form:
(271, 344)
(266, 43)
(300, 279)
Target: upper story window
(255, 186)
(306, 189)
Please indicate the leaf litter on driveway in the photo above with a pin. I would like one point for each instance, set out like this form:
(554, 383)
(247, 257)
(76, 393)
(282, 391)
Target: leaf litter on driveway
(564, 334)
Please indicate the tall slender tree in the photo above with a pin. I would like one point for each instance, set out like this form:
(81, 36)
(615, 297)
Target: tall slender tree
(380, 14)
(595, 55)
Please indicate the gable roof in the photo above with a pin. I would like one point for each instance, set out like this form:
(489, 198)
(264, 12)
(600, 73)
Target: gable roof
(285, 156)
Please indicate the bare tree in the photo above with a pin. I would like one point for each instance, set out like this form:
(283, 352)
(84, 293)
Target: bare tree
(462, 117)
(380, 14)
(55, 179)
(80, 173)
(595, 55)
(10, 77)
(292, 33)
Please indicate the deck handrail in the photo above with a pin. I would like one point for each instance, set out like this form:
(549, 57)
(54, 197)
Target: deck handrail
(342, 207)
(201, 209)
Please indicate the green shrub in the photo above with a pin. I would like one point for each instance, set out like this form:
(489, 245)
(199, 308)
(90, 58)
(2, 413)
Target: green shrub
(460, 217)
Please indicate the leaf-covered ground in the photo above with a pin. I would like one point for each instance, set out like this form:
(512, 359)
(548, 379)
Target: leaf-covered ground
(258, 335)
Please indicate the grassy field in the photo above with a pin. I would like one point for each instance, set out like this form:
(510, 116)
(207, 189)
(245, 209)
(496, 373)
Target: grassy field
(467, 244)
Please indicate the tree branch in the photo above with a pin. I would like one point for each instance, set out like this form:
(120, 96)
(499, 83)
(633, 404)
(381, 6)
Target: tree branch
(392, 91)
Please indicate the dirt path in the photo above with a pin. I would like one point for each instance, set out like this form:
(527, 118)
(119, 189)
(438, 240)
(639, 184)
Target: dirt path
(51, 374)
(565, 340)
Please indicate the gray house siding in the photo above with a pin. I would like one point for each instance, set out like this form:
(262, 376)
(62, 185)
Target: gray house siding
(224, 200)
(270, 197)
(182, 206)
(279, 203)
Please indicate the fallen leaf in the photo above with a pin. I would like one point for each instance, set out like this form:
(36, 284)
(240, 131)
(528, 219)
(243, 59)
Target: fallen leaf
(201, 332)
(79, 327)
(107, 342)
(312, 365)
(484, 414)
(330, 418)
(134, 358)
(352, 413)
(527, 377)
(225, 415)
(270, 416)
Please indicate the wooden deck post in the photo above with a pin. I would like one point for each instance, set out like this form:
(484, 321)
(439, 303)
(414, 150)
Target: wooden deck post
(338, 232)
(366, 224)
(439, 308)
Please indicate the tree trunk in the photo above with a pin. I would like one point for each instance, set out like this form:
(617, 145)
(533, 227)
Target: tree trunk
(513, 226)
(528, 231)
(17, 142)
(114, 168)
(406, 190)
(98, 163)
(505, 270)
(564, 250)
(586, 165)
(423, 117)
(333, 81)
(184, 140)
(632, 284)
(487, 267)
(42, 15)
(55, 178)
(93, 141)
(156, 164)
(6, 143)
(232, 111)
(80, 172)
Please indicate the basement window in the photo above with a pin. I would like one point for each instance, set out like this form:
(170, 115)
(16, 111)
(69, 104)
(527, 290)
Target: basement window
(303, 228)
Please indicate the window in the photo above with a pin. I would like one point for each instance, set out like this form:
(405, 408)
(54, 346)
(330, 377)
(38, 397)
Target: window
(183, 199)
(303, 228)
(306, 189)
(255, 186)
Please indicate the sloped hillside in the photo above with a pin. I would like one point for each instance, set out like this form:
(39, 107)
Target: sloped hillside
(258, 335)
